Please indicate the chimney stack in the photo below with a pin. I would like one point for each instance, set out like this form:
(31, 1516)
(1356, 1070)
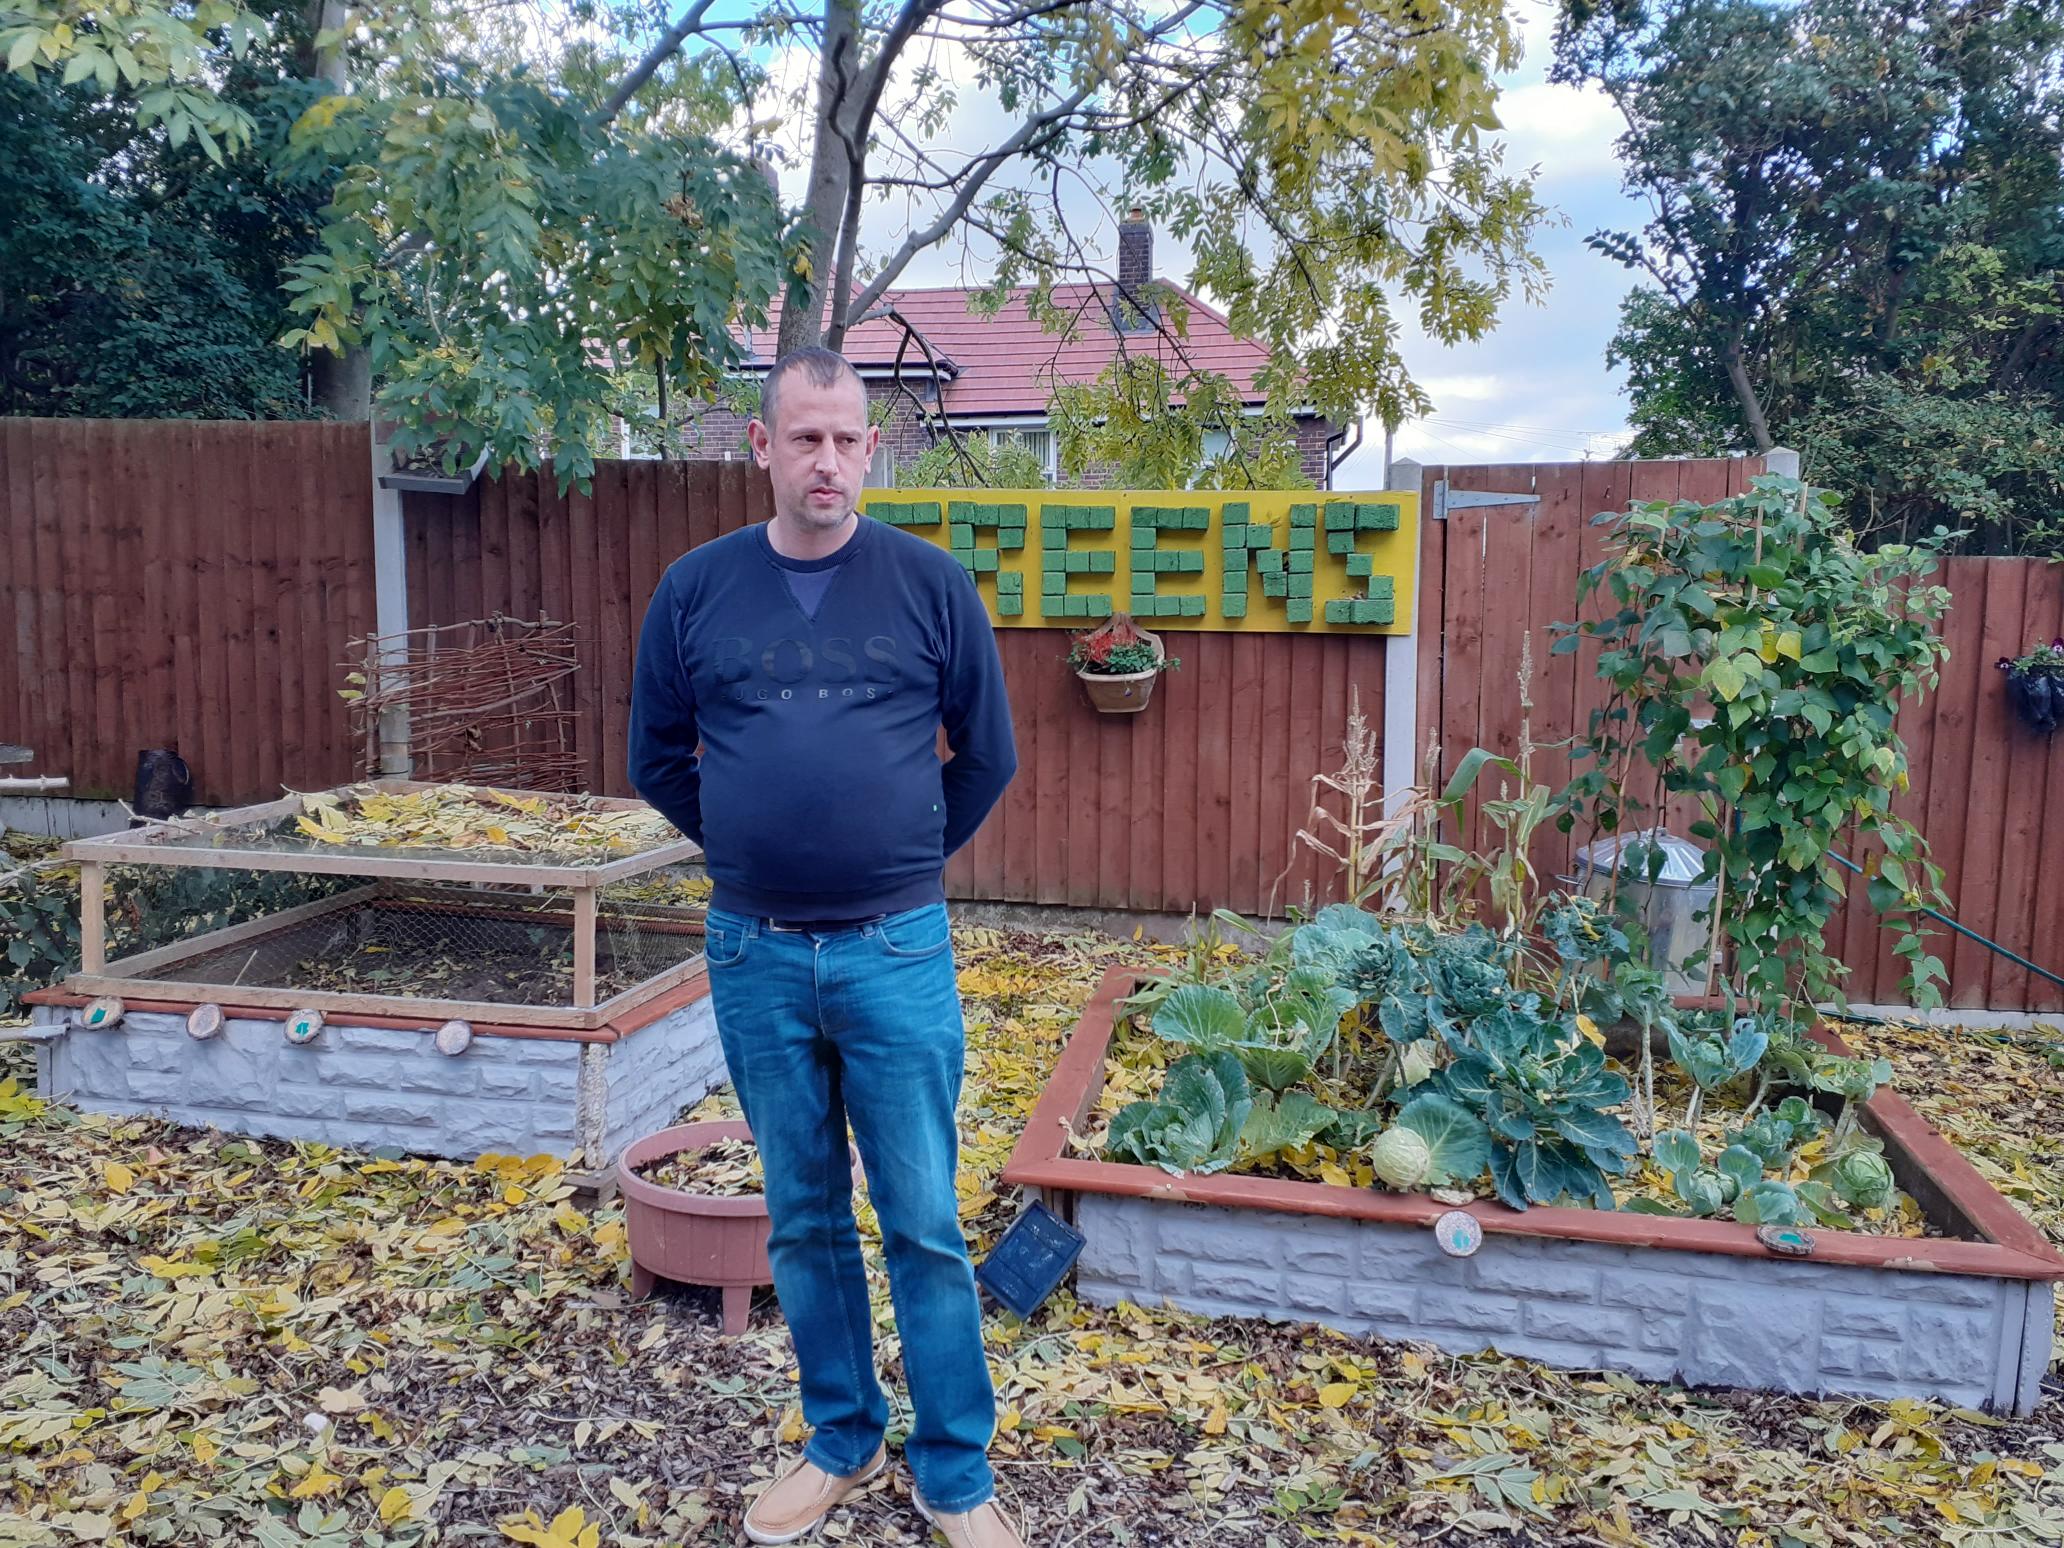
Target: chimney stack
(1135, 253)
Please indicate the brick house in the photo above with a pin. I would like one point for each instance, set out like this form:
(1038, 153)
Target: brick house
(995, 374)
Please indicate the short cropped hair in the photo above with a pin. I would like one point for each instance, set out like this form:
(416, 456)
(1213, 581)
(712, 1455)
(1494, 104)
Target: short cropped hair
(823, 368)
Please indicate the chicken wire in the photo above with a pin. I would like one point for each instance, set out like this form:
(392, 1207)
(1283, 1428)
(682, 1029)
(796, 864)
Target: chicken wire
(489, 944)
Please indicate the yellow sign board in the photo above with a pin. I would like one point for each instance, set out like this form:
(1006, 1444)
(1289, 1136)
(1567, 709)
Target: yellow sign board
(1277, 561)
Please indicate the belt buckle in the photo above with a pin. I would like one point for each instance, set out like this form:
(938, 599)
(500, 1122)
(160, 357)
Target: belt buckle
(785, 929)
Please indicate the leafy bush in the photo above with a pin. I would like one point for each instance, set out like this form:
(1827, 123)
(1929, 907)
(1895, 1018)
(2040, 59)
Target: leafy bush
(1764, 610)
(1448, 1051)
(1116, 647)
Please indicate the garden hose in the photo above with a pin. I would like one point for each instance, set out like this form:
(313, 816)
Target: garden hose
(1992, 946)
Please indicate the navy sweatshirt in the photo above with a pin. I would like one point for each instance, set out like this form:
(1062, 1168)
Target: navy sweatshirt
(819, 793)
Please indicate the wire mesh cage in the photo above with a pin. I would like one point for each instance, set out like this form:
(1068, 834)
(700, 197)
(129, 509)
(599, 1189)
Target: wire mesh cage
(399, 897)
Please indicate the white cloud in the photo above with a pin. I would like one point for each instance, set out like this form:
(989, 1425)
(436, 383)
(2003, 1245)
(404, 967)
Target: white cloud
(1567, 131)
(1446, 390)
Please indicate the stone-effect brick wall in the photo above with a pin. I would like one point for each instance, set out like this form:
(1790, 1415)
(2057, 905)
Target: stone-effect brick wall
(655, 1072)
(1654, 1313)
(365, 1087)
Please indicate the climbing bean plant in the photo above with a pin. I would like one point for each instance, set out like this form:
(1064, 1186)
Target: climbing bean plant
(1756, 656)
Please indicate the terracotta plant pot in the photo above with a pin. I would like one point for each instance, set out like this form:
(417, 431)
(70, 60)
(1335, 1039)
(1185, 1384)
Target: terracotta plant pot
(1124, 693)
(695, 1238)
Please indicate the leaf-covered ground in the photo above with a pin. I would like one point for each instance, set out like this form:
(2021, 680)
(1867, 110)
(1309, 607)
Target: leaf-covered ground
(207, 1339)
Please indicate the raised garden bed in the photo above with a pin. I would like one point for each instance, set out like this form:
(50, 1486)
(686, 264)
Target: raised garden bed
(1965, 1317)
(558, 933)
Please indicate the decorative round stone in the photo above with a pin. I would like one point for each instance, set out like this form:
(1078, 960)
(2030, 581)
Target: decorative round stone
(1786, 1241)
(454, 1037)
(1458, 1232)
(203, 1021)
(107, 1011)
(303, 1025)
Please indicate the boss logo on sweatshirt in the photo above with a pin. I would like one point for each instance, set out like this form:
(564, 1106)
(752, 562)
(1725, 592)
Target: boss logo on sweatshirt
(834, 668)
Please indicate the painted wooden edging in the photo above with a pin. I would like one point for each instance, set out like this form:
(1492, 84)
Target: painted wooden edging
(1997, 1242)
(693, 986)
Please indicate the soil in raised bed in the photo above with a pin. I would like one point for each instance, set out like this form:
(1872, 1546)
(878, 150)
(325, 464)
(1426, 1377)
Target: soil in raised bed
(494, 955)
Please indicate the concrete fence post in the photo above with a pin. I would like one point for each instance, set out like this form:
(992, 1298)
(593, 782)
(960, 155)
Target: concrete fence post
(1401, 669)
(390, 598)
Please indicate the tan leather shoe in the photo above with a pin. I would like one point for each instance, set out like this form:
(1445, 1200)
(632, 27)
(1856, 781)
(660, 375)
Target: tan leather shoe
(985, 1526)
(795, 1503)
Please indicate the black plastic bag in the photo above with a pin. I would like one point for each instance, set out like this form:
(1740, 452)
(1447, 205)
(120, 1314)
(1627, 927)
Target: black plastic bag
(164, 784)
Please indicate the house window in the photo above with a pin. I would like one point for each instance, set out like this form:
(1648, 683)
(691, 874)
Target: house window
(881, 473)
(1039, 441)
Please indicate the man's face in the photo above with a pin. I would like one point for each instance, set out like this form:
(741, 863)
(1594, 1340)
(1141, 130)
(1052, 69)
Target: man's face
(818, 450)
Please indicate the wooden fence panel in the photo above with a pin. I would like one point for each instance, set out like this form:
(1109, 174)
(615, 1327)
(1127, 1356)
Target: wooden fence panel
(1987, 794)
(1194, 803)
(182, 584)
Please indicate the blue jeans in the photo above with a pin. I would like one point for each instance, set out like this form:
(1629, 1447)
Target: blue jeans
(863, 1025)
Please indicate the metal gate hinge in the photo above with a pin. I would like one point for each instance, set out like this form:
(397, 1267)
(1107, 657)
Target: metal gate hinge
(1446, 499)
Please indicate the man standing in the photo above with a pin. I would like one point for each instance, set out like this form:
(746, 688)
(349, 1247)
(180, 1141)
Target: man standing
(815, 658)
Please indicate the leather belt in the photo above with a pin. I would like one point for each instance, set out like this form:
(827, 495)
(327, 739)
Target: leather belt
(823, 926)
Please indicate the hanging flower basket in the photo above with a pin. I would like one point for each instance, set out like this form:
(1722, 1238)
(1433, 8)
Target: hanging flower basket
(1117, 663)
(2035, 686)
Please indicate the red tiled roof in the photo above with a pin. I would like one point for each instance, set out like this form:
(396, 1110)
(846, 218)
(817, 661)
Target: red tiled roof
(1008, 363)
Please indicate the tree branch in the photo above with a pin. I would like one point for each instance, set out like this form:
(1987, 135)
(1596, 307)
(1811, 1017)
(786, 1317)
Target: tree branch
(670, 41)
(978, 173)
(984, 167)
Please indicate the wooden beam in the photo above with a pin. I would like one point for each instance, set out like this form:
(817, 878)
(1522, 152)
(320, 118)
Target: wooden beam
(92, 918)
(251, 929)
(584, 948)
(337, 1005)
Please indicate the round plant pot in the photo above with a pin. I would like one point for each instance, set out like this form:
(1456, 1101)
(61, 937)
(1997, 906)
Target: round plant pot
(1124, 693)
(696, 1238)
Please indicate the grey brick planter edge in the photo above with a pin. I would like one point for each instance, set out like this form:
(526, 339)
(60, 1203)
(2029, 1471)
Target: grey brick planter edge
(369, 1086)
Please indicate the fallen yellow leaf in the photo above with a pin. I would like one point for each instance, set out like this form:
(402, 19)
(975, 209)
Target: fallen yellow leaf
(118, 1177)
(318, 1480)
(569, 1529)
(1336, 1394)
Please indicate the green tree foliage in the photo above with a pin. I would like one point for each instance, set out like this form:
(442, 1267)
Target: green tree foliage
(1857, 247)
(1157, 428)
(517, 224)
(141, 278)
(971, 460)
(1755, 658)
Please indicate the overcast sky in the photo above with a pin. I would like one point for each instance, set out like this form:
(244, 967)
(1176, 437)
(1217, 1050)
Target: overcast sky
(1536, 389)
